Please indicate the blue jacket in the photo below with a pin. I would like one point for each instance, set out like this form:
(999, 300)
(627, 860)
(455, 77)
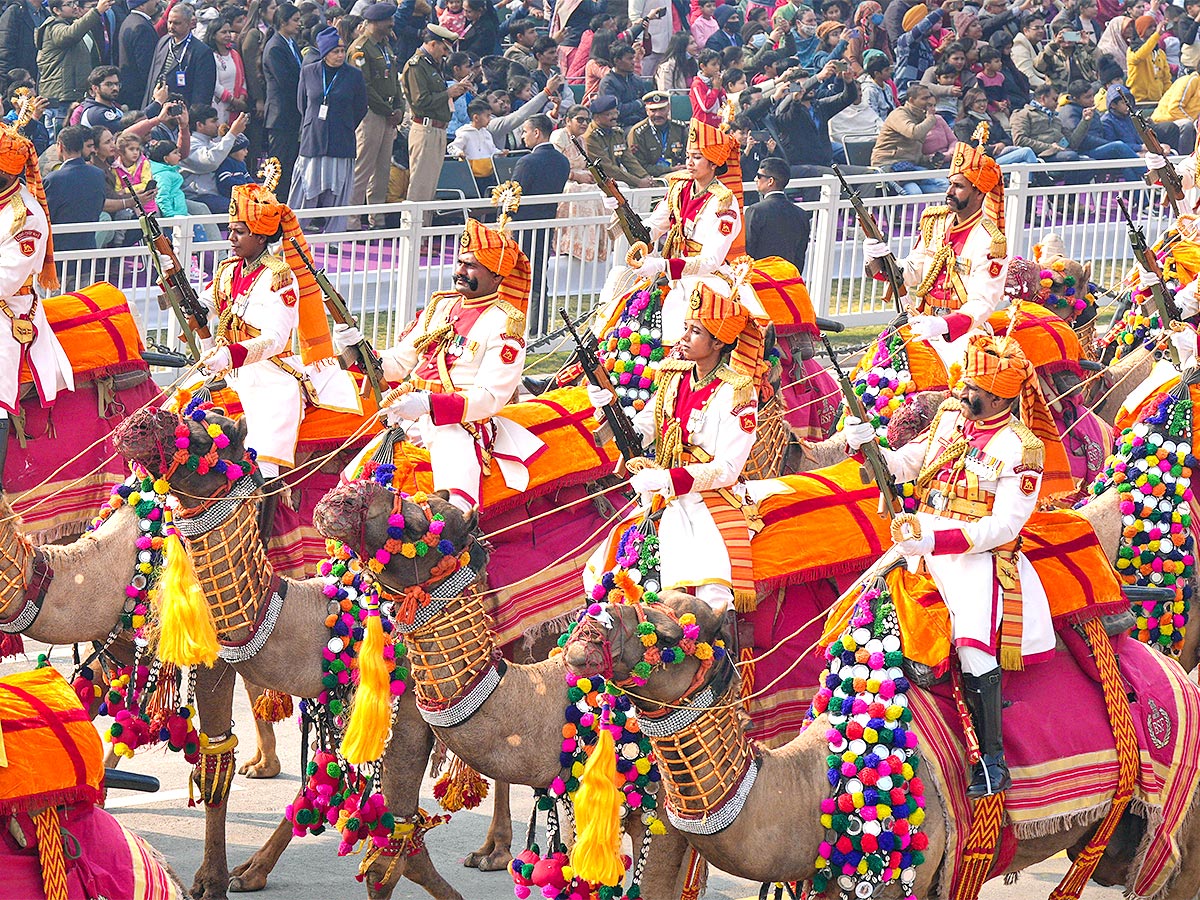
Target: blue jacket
(230, 174)
(1119, 128)
(346, 101)
(1070, 114)
(914, 54)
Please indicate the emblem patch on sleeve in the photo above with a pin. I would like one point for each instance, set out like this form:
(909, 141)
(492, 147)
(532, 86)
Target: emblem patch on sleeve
(726, 227)
(994, 268)
(748, 420)
(508, 354)
(1029, 483)
(289, 297)
(27, 240)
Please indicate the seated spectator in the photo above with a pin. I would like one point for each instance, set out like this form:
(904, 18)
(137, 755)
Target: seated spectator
(164, 166)
(624, 85)
(940, 140)
(452, 16)
(991, 78)
(1016, 86)
(953, 55)
(898, 147)
(729, 32)
(774, 226)
(506, 122)
(134, 166)
(802, 118)
(801, 40)
(857, 119)
(705, 25)
(1067, 58)
(946, 102)
(473, 142)
(75, 191)
(102, 106)
(208, 151)
(708, 100)
(1149, 74)
(1039, 128)
(1117, 126)
(524, 36)
(233, 170)
(461, 68)
(972, 113)
(878, 88)
(1028, 44)
(997, 18)
(756, 145)
(829, 37)
(1081, 96)
(734, 84)
(678, 66)
(1180, 106)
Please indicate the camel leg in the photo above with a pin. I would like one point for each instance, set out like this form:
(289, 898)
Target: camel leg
(265, 761)
(252, 874)
(666, 865)
(496, 852)
(405, 760)
(214, 703)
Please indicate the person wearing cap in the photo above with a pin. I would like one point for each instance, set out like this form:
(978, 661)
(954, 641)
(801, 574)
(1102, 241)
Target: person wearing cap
(729, 32)
(979, 474)
(702, 426)
(463, 358)
(26, 256)
(260, 301)
(430, 102)
(657, 144)
(914, 48)
(333, 104)
(371, 53)
(1149, 74)
(233, 171)
(957, 269)
(605, 141)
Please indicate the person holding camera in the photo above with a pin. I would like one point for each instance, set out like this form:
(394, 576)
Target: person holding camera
(1067, 58)
(802, 118)
(64, 58)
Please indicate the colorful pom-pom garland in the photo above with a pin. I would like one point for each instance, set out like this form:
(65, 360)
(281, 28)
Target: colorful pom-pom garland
(1152, 470)
(633, 349)
(884, 384)
(872, 819)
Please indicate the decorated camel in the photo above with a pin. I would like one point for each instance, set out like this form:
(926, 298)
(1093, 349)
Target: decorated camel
(728, 794)
(284, 652)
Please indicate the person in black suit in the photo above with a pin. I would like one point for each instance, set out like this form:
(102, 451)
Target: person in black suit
(774, 225)
(281, 69)
(75, 192)
(137, 42)
(541, 171)
(181, 61)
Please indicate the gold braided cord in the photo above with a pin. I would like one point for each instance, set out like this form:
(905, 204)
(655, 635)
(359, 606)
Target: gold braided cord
(234, 572)
(447, 655)
(704, 762)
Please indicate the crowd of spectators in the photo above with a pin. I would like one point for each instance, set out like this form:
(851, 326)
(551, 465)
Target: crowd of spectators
(178, 101)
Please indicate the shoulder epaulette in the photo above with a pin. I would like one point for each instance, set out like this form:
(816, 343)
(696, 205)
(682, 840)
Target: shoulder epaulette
(1033, 451)
(723, 194)
(742, 384)
(676, 365)
(999, 248)
(673, 177)
(281, 272)
(934, 211)
(515, 326)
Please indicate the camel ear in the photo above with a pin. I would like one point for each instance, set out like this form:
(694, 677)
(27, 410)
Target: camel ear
(240, 429)
(1087, 271)
(444, 494)
(669, 631)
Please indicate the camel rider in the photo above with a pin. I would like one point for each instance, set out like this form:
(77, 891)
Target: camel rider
(259, 300)
(701, 220)
(463, 358)
(703, 422)
(978, 472)
(26, 253)
(958, 266)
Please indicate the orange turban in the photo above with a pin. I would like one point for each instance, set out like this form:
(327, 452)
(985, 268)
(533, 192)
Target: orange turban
(914, 16)
(256, 206)
(973, 163)
(731, 323)
(17, 156)
(1000, 367)
(715, 145)
(500, 254)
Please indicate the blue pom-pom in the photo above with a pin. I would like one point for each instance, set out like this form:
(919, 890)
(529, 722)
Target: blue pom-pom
(395, 532)
(445, 547)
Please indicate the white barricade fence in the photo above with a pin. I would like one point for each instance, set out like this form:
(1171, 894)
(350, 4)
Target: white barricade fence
(386, 274)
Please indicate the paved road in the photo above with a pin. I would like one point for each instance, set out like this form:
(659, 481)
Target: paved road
(311, 867)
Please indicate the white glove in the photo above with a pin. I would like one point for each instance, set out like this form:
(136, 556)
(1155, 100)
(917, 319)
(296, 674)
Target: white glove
(857, 432)
(345, 336)
(1154, 162)
(217, 360)
(1184, 342)
(652, 266)
(874, 249)
(926, 328)
(407, 408)
(610, 203)
(1185, 298)
(599, 396)
(922, 546)
(1145, 276)
(651, 481)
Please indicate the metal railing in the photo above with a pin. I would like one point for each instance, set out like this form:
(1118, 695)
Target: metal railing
(386, 274)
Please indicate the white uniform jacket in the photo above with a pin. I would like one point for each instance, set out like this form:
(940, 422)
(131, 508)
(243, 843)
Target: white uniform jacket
(23, 233)
(261, 321)
(469, 354)
(962, 564)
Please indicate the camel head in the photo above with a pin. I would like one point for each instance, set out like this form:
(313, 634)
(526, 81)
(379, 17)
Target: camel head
(913, 417)
(367, 516)
(610, 640)
(185, 450)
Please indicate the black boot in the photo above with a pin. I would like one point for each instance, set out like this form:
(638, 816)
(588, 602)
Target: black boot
(5, 425)
(990, 774)
(267, 507)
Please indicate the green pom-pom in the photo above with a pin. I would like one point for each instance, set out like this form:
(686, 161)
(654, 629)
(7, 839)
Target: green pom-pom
(333, 770)
(388, 821)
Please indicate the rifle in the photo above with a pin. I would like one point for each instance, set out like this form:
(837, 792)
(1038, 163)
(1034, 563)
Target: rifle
(879, 471)
(362, 353)
(632, 226)
(1171, 183)
(178, 292)
(629, 443)
(870, 228)
(1167, 311)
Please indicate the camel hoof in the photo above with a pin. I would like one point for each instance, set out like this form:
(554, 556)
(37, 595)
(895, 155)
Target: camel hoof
(261, 769)
(241, 885)
(495, 861)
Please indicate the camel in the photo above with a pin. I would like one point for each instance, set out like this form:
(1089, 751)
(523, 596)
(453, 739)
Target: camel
(232, 566)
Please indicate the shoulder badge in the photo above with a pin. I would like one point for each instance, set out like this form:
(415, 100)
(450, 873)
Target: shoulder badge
(1028, 483)
(748, 420)
(508, 354)
(289, 297)
(27, 239)
(359, 59)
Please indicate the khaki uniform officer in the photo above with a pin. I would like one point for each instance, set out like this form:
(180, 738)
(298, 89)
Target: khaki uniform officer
(657, 144)
(372, 54)
(605, 140)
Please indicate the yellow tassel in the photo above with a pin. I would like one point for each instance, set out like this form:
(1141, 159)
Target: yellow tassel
(372, 712)
(596, 854)
(187, 635)
(272, 706)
